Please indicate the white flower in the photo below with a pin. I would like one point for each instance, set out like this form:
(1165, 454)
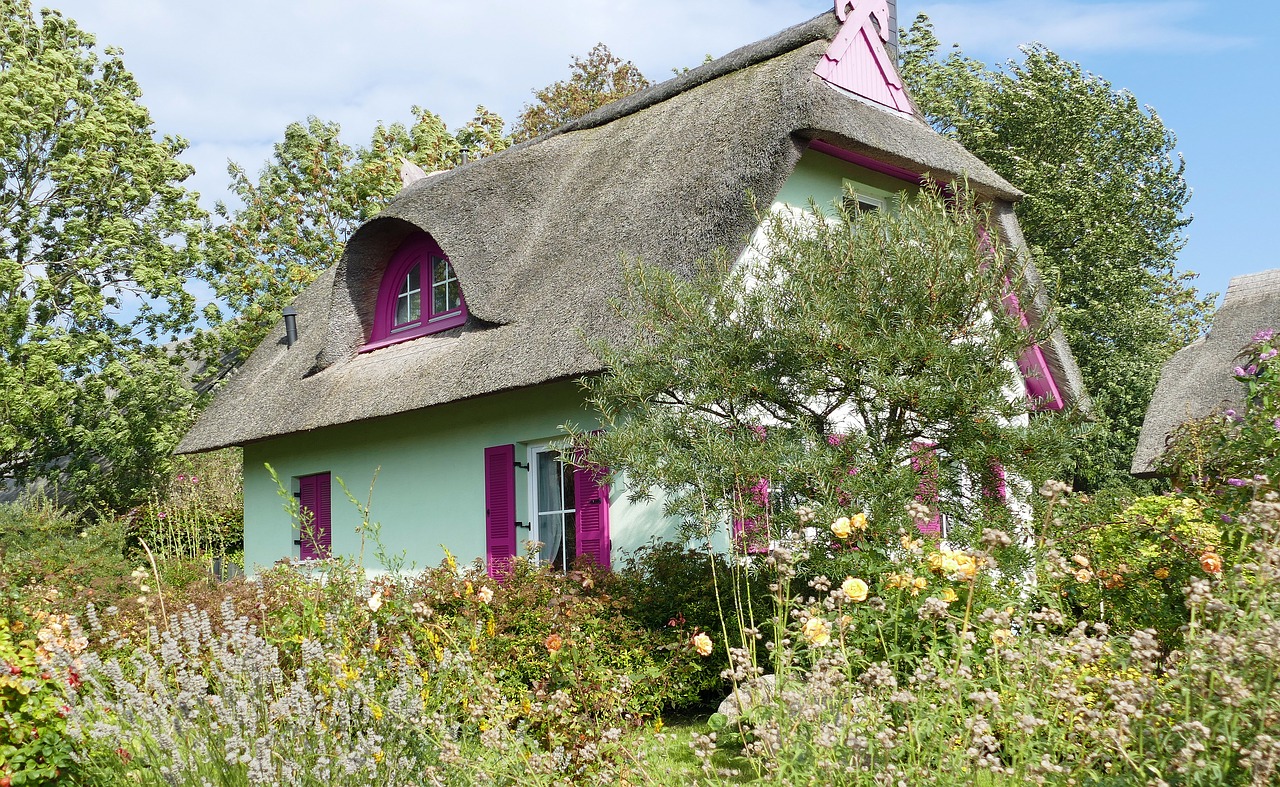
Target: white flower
(485, 595)
(375, 601)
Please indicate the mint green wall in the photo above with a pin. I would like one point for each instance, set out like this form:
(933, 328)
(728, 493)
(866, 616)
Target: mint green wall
(430, 488)
(822, 178)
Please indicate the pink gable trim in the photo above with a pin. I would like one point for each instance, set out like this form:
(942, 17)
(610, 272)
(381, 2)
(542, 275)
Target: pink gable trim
(857, 60)
(1036, 374)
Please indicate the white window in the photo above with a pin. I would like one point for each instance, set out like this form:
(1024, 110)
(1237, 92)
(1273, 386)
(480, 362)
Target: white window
(553, 518)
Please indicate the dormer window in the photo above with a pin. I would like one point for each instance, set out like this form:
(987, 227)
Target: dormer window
(419, 294)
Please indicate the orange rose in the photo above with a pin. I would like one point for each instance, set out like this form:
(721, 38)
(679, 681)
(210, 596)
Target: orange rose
(553, 643)
(1211, 563)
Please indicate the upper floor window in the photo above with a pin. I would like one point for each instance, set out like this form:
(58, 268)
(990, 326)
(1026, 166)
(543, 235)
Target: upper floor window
(419, 294)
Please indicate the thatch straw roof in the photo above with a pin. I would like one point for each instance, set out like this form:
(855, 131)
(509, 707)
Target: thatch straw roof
(1198, 380)
(539, 233)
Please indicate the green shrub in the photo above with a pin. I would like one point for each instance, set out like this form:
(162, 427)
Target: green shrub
(1125, 567)
(34, 703)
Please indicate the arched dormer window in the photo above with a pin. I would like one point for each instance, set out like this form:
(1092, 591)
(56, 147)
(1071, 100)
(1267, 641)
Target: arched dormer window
(419, 294)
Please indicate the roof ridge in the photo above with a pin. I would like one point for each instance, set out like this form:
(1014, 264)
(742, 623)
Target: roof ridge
(823, 25)
(1253, 284)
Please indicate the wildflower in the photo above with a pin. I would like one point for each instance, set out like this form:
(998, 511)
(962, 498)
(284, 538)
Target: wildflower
(854, 588)
(817, 631)
(485, 595)
(553, 643)
(145, 588)
(948, 595)
(1211, 562)
(805, 514)
(1237, 482)
(1263, 335)
(375, 601)
(1162, 572)
(1001, 637)
(760, 432)
(841, 527)
(702, 643)
(835, 439)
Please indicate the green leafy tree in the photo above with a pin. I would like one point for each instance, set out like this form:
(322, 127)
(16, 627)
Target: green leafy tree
(293, 221)
(1104, 213)
(96, 240)
(595, 80)
(872, 335)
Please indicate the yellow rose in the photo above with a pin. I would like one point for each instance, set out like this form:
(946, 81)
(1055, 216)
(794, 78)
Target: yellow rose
(858, 522)
(918, 584)
(817, 631)
(841, 528)
(702, 643)
(949, 596)
(854, 588)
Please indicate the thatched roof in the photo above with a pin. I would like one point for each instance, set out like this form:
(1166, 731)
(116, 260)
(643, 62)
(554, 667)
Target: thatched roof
(1198, 381)
(539, 233)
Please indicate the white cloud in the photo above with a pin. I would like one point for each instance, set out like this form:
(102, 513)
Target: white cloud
(993, 29)
(231, 74)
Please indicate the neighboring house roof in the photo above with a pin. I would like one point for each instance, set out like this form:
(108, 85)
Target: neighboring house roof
(1198, 380)
(538, 236)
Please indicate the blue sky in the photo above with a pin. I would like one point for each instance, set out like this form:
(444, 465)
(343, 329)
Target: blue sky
(229, 76)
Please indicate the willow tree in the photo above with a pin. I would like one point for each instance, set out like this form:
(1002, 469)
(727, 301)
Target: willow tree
(96, 240)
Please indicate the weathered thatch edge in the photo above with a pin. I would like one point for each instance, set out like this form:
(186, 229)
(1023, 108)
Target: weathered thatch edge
(1198, 381)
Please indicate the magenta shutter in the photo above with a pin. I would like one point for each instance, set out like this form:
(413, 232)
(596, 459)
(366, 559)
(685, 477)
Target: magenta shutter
(316, 541)
(500, 508)
(591, 499)
(750, 533)
(924, 461)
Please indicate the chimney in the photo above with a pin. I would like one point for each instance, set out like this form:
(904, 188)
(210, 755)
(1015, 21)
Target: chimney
(892, 46)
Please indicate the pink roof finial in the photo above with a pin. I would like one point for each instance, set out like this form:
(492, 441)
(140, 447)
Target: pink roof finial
(857, 60)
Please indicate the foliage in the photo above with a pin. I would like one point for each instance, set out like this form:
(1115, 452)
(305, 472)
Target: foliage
(293, 221)
(1104, 213)
(1225, 457)
(55, 562)
(676, 592)
(34, 747)
(96, 241)
(596, 80)
(199, 517)
(876, 333)
(1124, 567)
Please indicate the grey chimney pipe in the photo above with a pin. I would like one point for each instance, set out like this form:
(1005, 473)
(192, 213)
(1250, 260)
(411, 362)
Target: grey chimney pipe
(290, 325)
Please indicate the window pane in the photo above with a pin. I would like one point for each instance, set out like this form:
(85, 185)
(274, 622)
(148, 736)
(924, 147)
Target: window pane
(551, 532)
(550, 494)
(570, 537)
(439, 299)
(409, 300)
(445, 295)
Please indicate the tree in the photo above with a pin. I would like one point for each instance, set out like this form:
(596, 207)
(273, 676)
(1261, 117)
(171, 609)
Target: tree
(1104, 215)
(820, 371)
(594, 81)
(96, 241)
(293, 222)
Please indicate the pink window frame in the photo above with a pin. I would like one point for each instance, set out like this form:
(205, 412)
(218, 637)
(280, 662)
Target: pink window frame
(421, 249)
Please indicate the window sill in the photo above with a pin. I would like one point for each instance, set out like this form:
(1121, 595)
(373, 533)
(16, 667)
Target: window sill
(442, 323)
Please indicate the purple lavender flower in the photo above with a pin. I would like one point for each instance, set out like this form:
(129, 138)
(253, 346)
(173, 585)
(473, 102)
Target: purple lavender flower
(760, 431)
(1237, 482)
(1227, 518)
(1276, 424)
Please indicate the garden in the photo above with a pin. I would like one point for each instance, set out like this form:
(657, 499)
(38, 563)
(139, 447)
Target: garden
(1130, 636)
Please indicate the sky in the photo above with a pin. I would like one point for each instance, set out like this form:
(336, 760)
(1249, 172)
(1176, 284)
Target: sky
(229, 76)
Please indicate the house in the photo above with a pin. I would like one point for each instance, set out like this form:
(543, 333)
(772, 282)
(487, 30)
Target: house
(442, 351)
(1199, 379)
